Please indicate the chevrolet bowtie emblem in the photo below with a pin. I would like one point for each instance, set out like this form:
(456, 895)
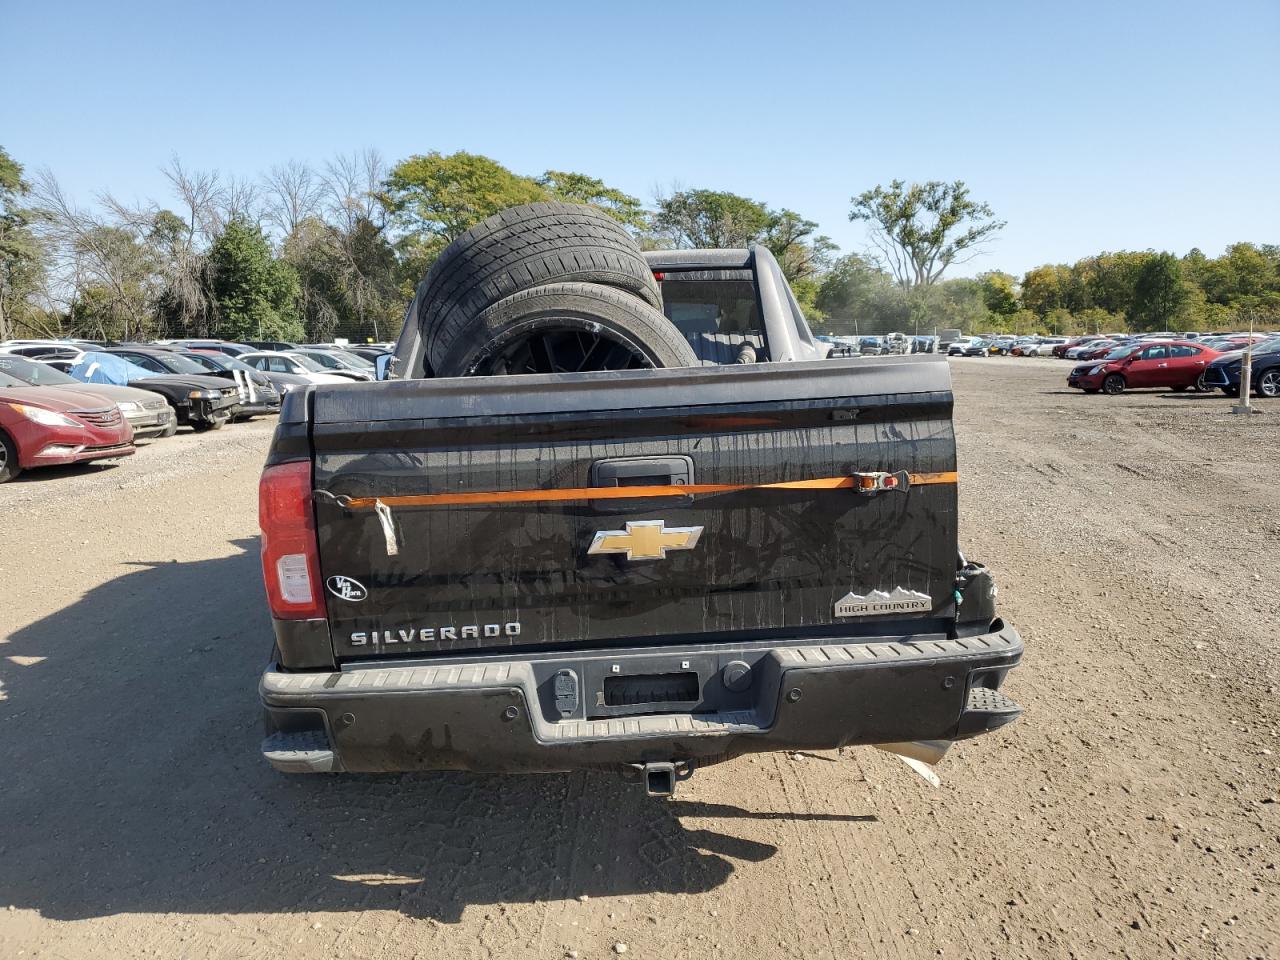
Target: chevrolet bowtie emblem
(645, 540)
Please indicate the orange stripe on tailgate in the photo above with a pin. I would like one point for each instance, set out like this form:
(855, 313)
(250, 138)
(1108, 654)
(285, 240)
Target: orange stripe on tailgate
(624, 493)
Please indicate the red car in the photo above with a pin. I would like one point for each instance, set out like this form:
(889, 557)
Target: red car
(1099, 349)
(1060, 350)
(1167, 364)
(47, 426)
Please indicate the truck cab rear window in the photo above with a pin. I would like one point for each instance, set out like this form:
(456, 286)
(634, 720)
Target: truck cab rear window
(711, 306)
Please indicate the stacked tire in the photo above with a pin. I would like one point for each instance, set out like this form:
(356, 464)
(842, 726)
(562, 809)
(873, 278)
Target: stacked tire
(545, 288)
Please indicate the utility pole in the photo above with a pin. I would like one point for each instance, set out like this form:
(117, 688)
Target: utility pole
(1246, 374)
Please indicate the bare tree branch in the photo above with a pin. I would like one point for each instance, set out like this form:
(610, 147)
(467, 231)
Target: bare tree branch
(292, 193)
(351, 183)
(199, 193)
(89, 251)
(239, 200)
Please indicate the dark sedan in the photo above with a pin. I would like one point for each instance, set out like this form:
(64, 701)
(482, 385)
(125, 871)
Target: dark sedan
(202, 401)
(370, 352)
(1224, 372)
(260, 393)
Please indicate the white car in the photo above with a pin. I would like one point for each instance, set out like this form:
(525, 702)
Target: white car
(296, 364)
(338, 362)
(957, 347)
(1044, 348)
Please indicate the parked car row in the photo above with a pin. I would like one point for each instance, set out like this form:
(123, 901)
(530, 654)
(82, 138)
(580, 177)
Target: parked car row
(1003, 346)
(75, 401)
(1114, 363)
(1179, 365)
(879, 346)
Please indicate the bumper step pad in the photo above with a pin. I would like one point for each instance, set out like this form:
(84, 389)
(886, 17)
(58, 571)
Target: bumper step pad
(986, 710)
(305, 751)
(490, 715)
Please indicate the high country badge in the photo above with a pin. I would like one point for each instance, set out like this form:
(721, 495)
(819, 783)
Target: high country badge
(878, 603)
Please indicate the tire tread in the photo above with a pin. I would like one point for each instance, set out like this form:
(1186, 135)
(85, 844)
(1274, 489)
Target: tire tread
(522, 248)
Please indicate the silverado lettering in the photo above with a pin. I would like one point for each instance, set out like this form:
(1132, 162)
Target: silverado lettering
(428, 634)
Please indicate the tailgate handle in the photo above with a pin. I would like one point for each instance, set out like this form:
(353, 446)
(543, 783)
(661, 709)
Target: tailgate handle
(639, 472)
(642, 472)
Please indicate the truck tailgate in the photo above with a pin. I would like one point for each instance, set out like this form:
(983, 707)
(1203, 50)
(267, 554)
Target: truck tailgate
(712, 504)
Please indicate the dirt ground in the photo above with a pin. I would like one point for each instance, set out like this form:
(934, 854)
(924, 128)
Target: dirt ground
(1133, 812)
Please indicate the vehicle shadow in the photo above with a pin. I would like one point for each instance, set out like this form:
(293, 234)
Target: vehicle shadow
(67, 471)
(133, 784)
(1141, 392)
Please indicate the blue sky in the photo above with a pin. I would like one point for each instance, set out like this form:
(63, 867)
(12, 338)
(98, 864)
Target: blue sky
(1087, 126)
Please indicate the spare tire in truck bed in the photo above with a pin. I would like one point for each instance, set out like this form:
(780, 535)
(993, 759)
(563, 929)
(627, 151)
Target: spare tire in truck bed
(566, 328)
(518, 249)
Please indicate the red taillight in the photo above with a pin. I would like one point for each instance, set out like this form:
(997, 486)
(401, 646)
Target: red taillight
(290, 555)
(659, 275)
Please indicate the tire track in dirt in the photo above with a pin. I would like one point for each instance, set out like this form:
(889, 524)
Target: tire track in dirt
(802, 878)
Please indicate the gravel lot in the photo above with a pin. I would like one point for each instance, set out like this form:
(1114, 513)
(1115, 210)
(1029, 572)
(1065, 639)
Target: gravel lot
(1134, 811)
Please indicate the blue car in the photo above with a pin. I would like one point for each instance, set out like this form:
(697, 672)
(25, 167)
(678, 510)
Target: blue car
(1224, 373)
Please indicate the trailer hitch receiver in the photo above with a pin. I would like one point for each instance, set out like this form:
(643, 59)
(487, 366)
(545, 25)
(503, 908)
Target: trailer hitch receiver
(658, 778)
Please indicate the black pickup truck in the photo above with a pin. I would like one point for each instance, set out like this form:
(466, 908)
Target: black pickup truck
(644, 570)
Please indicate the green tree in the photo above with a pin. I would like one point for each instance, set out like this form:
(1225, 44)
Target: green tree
(1243, 271)
(860, 297)
(433, 198)
(1194, 267)
(958, 304)
(121, 272)
(921, 229)
(183, 306)
(254, 293)
(93, 312)
(21, 256)
(716, 218)
(1058, 322)
(1159, 293)
(1113, 277)
(999, 293)
(1042, 289)
(848, 287)
(1096, 320)
(806, 293)
(711, 218)
(792, 241)
(347, 279)
(580, 188)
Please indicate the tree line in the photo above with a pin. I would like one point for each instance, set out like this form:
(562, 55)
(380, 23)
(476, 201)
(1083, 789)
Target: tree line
(1109, 292)
(307, 252)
